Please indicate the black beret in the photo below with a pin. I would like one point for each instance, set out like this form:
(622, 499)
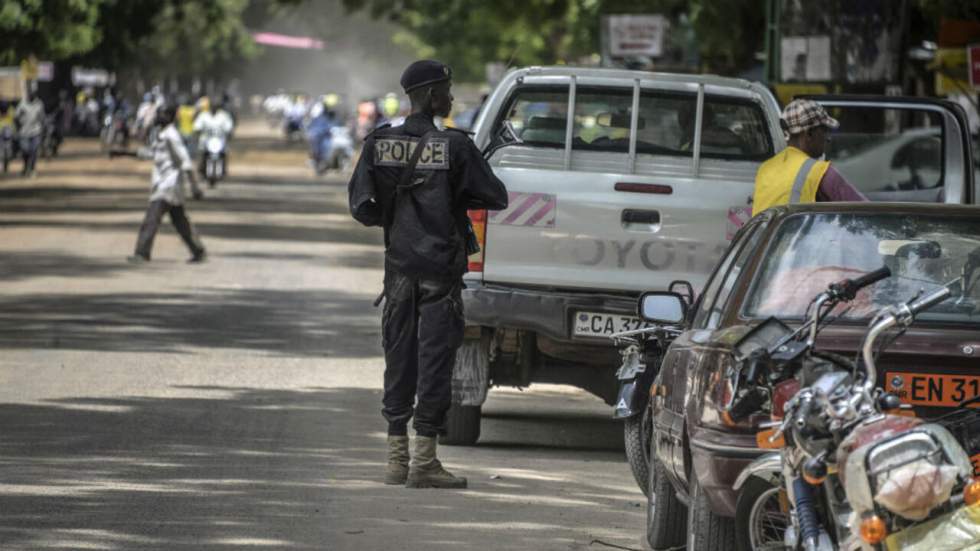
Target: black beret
(425, 72)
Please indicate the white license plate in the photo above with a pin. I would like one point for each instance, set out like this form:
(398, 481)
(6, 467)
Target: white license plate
(598, 324)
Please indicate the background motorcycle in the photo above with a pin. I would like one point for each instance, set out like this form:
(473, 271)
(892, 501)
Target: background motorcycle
(215, 159)
(8, 146)
(51, 139)
(333, 150)
(642, 351)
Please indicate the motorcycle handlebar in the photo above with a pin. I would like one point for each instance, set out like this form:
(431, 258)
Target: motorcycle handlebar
(929, 300)
(849, 287)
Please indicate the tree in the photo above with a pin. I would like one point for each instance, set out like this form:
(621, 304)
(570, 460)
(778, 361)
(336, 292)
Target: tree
(469, 33)
(48, 29)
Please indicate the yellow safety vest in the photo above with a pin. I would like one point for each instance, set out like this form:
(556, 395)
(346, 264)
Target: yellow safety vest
(789, 178)
(185, 119)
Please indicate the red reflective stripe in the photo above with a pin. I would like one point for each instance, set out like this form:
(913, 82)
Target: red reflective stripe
(644, 188)
(479, 220)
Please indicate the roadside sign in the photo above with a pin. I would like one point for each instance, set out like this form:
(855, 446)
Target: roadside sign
(973, 64)
(636, 35)
(45, 71)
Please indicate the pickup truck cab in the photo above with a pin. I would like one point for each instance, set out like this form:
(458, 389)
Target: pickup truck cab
(625, 181)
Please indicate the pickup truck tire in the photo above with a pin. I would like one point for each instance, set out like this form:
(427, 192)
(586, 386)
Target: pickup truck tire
(462, 425)
(666, 515)
(707, 531)
(636, 440)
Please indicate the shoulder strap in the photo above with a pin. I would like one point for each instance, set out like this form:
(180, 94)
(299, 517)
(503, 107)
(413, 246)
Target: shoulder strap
(800, 180)
(404, 182)
(406, 178)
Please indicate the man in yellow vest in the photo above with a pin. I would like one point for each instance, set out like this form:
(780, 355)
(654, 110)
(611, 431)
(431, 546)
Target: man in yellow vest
(795, 174)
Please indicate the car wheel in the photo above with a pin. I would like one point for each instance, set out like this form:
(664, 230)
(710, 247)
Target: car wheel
(666, 515)
(706, 530)
(462, 425)
(761, 519)
(636, 440)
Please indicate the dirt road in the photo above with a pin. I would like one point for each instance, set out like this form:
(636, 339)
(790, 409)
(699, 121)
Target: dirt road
(235, 404)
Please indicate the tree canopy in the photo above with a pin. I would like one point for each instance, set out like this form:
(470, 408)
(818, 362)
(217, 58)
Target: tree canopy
(160, 37)
(469, 33)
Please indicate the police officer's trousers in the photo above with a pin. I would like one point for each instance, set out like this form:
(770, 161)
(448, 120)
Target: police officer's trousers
(421, 330)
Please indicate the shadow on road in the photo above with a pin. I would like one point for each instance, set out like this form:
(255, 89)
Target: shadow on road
(237, 467)
(17, 266)
(280, 322)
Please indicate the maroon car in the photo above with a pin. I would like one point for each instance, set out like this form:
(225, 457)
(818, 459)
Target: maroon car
(776, 264)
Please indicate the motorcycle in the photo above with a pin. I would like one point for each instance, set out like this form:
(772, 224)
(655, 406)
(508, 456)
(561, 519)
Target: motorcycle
(7, 145)
(333, 150)
(293, 127)
(51, 139)
(215, 159)
(115, 132)
(642, 351)
(854, 471)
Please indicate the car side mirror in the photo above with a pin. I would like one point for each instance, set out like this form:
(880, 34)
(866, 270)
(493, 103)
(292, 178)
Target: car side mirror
(662, 307)
(684, 289)
(502, 137)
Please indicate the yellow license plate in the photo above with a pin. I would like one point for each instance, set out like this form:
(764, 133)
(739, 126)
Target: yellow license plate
(921, 389)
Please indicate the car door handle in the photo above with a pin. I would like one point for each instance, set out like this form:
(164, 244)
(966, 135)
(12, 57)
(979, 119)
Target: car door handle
(637, 216)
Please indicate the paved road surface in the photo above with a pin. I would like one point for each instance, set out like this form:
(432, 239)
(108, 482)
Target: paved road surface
(235, 404)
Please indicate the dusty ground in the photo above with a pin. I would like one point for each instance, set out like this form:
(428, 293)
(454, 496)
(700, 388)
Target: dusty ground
(235, 404)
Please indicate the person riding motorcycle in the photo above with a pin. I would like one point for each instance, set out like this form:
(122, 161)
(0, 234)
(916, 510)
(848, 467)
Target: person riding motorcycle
(318, 132)
(212, 123)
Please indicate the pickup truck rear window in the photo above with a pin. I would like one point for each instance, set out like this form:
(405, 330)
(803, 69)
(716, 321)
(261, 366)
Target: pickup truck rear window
(731, 128)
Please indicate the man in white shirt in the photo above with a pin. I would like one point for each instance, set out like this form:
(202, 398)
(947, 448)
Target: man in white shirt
(171, 164)
(29, 118)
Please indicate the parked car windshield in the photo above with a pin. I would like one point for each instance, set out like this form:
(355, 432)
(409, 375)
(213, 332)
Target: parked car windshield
(810, 251)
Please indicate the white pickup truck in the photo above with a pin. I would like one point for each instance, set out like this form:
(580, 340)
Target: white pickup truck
(624, 181)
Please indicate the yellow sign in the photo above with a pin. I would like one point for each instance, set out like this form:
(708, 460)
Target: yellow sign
(951, 71)
(787, 91)
(28, 68)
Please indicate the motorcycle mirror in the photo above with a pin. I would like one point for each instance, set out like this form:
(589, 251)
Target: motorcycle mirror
(662, 307)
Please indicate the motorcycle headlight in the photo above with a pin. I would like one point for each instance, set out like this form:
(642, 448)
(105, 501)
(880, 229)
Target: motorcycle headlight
(908, 470)
(911, 475)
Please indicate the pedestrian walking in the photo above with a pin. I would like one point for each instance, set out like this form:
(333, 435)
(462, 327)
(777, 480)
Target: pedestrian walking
(417, 182)
(29, 118)
(171, 165)
(796, 174)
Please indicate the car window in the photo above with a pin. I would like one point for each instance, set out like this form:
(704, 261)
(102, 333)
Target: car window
(731, 128)
(731, 278)
(538, 115)
(924, 251)
(710, 293)
(890, 154)
(602, 119)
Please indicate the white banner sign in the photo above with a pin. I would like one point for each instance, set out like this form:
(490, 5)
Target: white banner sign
(641, 35)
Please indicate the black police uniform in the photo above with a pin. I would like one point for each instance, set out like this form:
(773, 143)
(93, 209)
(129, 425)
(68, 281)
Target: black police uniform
(425, 228)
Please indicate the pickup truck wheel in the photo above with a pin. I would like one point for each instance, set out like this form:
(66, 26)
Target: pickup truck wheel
(636, 440)
(666, 515)
(707, 531)
(462, 426)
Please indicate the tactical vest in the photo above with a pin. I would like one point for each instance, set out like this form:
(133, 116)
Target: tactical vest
(789, 178)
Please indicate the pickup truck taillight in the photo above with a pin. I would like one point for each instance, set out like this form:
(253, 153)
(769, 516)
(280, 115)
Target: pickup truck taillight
(479, 220)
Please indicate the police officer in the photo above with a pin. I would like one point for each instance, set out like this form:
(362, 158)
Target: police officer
(795, 174)
(417, 183)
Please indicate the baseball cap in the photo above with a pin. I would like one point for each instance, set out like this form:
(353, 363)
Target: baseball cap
(803, 114)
